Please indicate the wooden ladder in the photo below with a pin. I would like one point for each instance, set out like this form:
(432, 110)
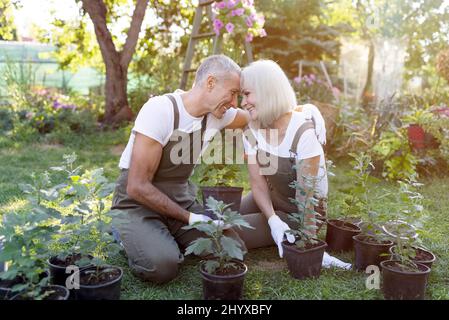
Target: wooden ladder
(204, 5)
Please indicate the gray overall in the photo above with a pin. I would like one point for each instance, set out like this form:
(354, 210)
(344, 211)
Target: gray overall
(280, 192)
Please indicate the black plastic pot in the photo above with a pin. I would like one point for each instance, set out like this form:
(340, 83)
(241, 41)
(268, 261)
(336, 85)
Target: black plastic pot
(58, 275)
(226, 194)
(223, 287)
(6, 285)
(5, 288)
(304, 263)
(403, 285)
(339, 235)
(369, 253)
(60, 293)
(427, 262)
(109, 290)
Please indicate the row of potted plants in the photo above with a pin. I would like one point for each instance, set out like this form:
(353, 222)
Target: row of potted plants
(388, 239)
(62, 239)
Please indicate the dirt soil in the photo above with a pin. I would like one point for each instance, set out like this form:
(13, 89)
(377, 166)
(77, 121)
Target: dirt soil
(91, 279)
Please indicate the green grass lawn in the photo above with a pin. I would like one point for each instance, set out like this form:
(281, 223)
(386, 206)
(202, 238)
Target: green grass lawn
(267, 277)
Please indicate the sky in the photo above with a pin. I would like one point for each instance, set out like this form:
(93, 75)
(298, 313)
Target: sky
(40, 13)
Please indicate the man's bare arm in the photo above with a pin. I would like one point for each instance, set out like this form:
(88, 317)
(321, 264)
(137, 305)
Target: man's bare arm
(240, 121)
(146, 155)
(242, 118)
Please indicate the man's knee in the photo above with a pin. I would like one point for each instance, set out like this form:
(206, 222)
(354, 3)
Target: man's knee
(158, 270)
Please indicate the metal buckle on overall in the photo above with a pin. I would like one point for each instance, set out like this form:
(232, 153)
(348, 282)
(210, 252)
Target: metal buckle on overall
(293, 155)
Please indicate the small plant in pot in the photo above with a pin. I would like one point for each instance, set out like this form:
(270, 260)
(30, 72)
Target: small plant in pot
(305, 256)
(77, 194)
(87, 242)
(340, 232)
(25, 251)
(411, 210)
(220, 178)
(371, 245)
(403, 278)
(223, 273)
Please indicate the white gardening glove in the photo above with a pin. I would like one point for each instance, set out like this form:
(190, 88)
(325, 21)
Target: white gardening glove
(312, 112)
(329, 261)
(278, 230)
(196, 217)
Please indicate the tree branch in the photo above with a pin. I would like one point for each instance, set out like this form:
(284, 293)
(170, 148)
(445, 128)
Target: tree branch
(133, 33)
(97, 11)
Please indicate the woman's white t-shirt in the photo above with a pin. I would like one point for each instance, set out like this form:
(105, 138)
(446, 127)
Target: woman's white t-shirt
(156, 117)
(308, 147)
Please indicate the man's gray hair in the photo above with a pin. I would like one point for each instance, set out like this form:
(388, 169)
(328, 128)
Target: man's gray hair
(217, 65)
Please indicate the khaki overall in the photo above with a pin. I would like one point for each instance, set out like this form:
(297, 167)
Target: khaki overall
(153, 242)
(280, 192)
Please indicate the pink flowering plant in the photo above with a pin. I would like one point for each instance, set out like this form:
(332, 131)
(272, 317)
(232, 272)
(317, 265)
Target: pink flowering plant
(312, 88)
(238, 17)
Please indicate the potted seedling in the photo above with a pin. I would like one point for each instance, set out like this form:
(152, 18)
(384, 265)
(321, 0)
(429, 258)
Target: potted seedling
(340, 232)
(25, 251)
(402, 277)
(371, 245)
(410, 209)
(305, 256)
(88, 237)
(220, 178)
(76, 194)
(26, 236)
(224, 272)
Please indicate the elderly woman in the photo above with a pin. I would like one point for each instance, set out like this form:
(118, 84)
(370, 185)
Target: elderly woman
(282, 146)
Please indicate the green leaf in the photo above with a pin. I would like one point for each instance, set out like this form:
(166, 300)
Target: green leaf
(198, 246)
(232, 247)
(27, 188)
(211, 266)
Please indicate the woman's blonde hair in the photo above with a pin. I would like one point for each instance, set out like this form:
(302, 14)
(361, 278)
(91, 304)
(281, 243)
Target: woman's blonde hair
(274, 93)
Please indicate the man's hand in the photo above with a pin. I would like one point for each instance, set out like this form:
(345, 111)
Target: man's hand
(278, 230)
(197, 217)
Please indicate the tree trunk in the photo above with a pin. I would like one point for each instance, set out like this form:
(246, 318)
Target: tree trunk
(368, 94)
(117, 108)
(116, 62)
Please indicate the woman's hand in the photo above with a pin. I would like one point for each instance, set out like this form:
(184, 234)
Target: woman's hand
(278, 229)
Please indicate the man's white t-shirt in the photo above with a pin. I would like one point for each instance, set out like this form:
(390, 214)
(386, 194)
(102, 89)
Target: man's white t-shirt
(308, 147)
(156, 117)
